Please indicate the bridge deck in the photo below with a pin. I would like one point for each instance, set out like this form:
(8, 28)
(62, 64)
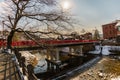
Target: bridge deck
(8, 68)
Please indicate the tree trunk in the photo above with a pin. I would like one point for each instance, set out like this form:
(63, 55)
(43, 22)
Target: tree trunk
(9, 39)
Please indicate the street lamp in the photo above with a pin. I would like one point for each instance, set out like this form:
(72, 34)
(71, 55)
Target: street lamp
(3, 33)
(3, 28)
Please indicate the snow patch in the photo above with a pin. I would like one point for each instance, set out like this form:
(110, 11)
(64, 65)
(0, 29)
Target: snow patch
(105, 50)
(117, 78)
(40, 66)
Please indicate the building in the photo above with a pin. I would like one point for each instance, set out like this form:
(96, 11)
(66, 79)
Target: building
(111, 30)
(86, 36)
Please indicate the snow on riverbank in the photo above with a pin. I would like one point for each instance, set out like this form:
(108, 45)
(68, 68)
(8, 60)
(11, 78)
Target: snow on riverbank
(105, 50)
(42, 64)
(37, 60)
(101, 71)
(115, 48)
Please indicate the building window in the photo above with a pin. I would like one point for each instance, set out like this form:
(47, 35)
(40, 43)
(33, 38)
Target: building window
(118, 28)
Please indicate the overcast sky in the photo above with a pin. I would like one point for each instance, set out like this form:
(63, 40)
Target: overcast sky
(0, 11)
(94, 13)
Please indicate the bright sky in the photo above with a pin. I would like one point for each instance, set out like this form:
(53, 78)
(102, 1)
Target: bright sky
(94, 13)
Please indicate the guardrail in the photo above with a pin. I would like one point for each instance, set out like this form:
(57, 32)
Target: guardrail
(49, 42)
(9, 68)
(27, 70)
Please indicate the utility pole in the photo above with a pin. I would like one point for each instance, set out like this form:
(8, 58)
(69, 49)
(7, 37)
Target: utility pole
(3, 33)
(3, 29)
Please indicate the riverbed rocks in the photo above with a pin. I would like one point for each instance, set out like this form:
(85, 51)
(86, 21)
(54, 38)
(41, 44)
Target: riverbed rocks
(105, 69)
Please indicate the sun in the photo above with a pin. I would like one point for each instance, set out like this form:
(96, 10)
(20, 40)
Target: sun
(66, 5)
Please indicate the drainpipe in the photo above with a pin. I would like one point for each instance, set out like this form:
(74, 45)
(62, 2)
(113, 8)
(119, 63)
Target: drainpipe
(57, 55)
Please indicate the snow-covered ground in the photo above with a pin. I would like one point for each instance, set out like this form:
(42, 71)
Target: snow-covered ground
(115, 48)
(37, 59)
(101, 71)
(42, 64)
(105, 50)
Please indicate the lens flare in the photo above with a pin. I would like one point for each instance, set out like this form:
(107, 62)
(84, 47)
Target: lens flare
(66, 5)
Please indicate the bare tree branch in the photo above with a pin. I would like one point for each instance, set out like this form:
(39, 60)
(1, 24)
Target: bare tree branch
(30, 11)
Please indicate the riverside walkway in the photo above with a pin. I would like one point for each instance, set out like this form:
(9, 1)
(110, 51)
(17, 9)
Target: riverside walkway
(8, 67)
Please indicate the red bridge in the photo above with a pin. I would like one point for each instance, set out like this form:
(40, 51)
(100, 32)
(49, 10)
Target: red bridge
(48, 42)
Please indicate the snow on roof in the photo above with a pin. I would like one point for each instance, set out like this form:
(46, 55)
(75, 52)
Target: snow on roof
(118, 24)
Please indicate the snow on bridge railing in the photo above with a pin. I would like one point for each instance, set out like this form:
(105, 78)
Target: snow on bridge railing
(55, 42)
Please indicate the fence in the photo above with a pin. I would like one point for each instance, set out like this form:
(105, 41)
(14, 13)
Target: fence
(26, 69)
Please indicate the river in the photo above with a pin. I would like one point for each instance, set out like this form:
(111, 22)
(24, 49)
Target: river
(108, 68)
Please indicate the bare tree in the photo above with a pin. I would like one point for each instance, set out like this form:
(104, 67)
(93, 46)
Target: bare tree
(24, 13)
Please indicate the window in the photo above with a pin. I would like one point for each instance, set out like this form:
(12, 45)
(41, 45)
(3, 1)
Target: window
(118, 28)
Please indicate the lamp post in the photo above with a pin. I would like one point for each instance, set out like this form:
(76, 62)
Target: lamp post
(3, 33)
(3, 28)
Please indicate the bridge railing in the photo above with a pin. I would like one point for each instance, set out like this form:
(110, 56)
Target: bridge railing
(44, 42)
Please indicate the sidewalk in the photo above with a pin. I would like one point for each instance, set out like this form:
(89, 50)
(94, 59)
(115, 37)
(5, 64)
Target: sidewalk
(8, 67)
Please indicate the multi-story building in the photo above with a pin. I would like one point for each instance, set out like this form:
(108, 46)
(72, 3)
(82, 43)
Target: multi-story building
(111, 30)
